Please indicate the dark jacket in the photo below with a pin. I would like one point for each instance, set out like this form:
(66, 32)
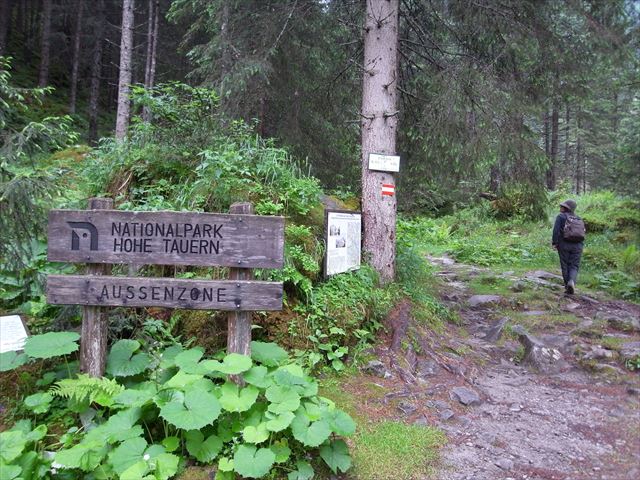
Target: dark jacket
(557, 238)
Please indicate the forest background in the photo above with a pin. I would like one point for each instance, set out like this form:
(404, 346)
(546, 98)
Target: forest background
(504, 109)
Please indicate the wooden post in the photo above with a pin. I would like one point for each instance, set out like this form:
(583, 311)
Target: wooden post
(239, 322)
(93, 342)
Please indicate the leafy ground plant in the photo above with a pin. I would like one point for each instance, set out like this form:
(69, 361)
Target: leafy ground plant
(163, 410)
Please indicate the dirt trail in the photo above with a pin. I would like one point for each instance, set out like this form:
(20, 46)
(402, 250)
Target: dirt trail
(575, 415)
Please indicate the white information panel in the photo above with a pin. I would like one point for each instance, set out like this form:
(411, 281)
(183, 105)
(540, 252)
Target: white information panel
(343, 237)
(384, 163)
(12, 333)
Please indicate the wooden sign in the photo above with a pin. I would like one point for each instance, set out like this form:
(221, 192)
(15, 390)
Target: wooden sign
(384, 163)
(166, 238)
(13, 333)
(238, 295)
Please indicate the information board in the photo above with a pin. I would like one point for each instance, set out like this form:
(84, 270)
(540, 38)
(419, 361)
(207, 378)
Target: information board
(166, 238)
(13, 333)
(343, 237)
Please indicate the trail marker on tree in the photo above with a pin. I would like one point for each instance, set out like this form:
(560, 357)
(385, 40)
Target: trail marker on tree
(101, 237)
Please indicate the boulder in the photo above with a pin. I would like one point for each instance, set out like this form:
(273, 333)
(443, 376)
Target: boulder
(625, 321)
(426, 369)
(495, 331)
(630, 350)
(538, 355)
(544, 275)
(480, 300)
(465, 396)
(376, 368)
(407, 408)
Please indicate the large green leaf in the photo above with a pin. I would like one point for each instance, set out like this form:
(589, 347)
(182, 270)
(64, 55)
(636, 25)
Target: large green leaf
(166, 466)
(311, 434)
(279, 422)
(38, 402)
(336, 455)
(12, 443)
(282, 450)
(269, 354)
(283, 399)
(255, 434)
(232, 364)
(252, 462)
(9, 472)
(135, 471)
(123, 361)
(304, 471)
(86, 455)
(204, 451)
(188, 361)
(10, 360)
(341, 423)
(120, 427)
(236, 399)
(127, 454)
(258, 376)
(51, 344)
(198, 409)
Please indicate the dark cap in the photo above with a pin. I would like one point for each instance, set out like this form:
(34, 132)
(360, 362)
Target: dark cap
(569, 205)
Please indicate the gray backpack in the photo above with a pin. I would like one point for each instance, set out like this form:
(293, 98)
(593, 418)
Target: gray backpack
(574, 229)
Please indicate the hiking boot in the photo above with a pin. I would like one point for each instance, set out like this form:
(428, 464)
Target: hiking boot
(571, 287)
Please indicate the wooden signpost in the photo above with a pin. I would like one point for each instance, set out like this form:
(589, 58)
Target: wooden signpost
(101, 237)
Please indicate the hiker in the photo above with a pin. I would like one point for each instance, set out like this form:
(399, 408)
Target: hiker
(568, 239)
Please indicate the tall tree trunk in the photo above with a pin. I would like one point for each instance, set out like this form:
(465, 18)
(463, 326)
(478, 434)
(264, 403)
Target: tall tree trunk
(379, 128)
(45, 47)
(545, 121)
(553, 154)
(124, 80)
(96, 73)
(579, 165)
(5, 20)
(567, 121)
(147, 67)
(152, 47)
(76, 58)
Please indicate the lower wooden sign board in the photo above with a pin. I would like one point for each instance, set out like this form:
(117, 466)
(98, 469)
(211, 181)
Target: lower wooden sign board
(112, 291)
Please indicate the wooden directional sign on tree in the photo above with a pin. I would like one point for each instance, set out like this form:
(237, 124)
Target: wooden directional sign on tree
(166, 238)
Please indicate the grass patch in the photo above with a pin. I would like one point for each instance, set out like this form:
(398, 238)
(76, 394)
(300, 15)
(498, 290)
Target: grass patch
(490, 285)
(382, 449)
(613, 343)
(394, 450)
(534, 322)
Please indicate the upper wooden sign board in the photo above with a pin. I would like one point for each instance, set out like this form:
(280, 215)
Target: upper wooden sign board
(166, 238)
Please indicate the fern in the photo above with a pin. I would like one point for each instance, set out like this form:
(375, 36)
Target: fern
(83, 388)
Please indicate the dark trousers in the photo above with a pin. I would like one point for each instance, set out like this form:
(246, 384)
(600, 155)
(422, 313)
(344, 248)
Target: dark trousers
(570, 254)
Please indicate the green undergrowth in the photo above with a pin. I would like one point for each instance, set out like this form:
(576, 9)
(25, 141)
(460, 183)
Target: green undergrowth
(384, 448)
(160, 409)
(611, 260)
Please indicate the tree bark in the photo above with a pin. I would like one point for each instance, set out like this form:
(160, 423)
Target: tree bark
(124, 79)
(45, 46)
(76, 58)
(567, 120)
(379, 127)
(5, 18)
(96, 73)
(152, 46)
(553, 154)
(579, 165)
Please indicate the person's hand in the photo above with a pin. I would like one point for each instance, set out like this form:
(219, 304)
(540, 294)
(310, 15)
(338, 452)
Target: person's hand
(554, 246)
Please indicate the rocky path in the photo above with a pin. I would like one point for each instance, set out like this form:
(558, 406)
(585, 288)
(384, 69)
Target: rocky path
(531, 385)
